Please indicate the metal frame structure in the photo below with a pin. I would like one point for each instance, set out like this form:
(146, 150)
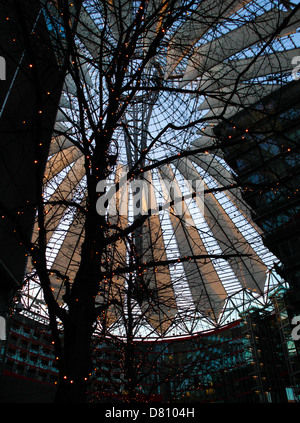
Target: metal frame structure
(206, 291)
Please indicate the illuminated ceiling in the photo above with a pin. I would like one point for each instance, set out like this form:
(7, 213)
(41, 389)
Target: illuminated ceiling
(206, 63)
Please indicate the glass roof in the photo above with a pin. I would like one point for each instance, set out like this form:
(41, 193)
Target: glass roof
(209, 260)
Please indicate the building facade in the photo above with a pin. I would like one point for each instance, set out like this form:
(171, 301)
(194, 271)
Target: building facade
(262, 147)
(253, 360)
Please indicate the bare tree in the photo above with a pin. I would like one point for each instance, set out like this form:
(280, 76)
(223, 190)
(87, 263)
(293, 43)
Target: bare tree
(131, 70)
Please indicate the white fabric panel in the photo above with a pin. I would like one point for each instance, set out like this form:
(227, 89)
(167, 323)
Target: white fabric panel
(162, 309)
(208, 130)
(68, 258)
(61, 117)
(250, 271)
(214, 168)
(204, 141)
(64, 191)
(89, 33)
(214, 115)
(120, 16)
(224, 74)
(243, 95)
(114, 288)
(206, 288)
(209, 143)
(207, 14)
(155, 13)
(224, 178)
(216, 51)
(58, 144)
(70, 86)
(54, 213)
(61, 160)
(85, 74)
(65, 103)
(60, 127)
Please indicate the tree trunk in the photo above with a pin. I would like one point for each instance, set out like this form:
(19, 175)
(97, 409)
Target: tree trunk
(76, 366)
(76, 363)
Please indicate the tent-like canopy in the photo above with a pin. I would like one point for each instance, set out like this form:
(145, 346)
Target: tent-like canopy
(224, 51)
